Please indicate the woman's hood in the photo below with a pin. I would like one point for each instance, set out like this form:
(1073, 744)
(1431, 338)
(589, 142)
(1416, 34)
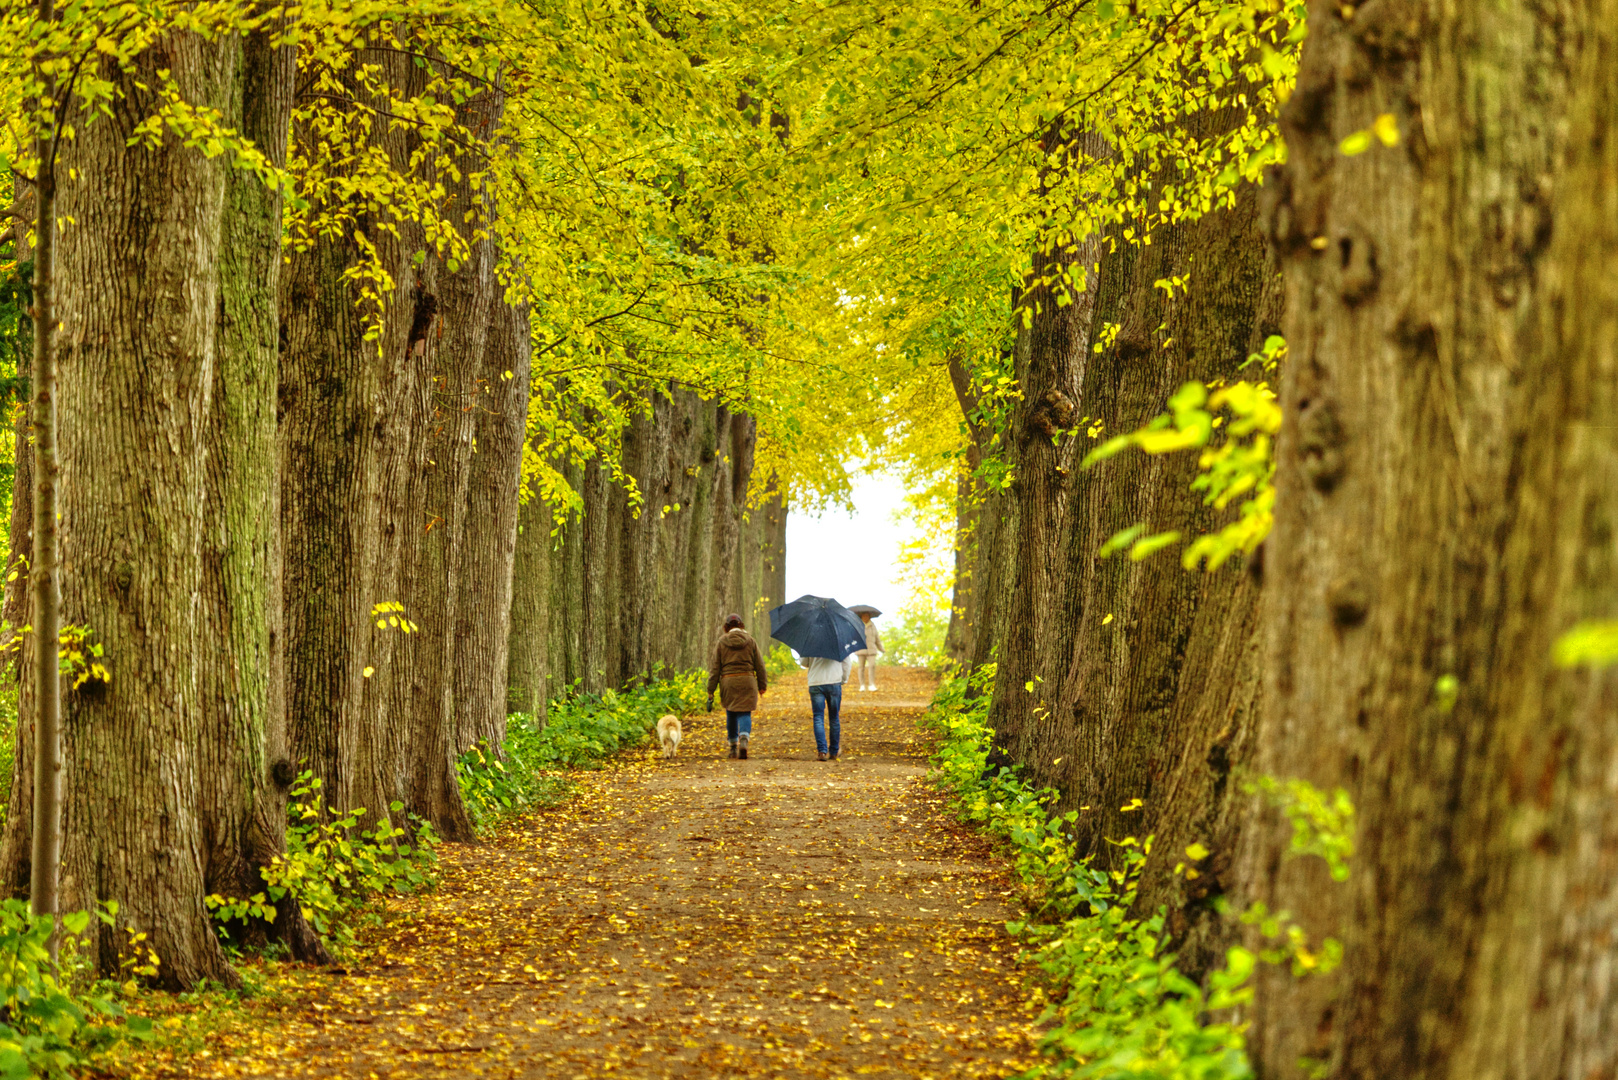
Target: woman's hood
(737, 636)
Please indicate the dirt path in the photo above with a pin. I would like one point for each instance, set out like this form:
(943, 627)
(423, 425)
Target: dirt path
(701, 917)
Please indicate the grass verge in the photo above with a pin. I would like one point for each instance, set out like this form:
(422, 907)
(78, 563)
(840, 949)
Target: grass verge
(1115, 1005)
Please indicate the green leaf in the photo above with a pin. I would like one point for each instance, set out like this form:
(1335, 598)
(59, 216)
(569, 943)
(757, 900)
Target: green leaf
(1119, 540)
(1151, 545)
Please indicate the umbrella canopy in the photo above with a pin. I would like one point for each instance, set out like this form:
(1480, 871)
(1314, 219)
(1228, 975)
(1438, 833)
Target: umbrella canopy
(864, 609)
(817, 626)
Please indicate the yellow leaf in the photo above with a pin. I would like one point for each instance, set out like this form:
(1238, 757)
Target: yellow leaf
(1357, 143)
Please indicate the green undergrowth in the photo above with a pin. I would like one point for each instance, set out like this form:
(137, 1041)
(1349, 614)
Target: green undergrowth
(579, 731)
(341, 874)
(56, 1017)
(1117, 1006)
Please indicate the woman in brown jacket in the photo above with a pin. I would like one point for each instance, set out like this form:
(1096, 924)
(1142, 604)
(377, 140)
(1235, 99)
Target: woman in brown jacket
(737, 671)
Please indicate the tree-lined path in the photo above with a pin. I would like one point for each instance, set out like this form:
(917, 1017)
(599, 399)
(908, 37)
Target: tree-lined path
(702, 917)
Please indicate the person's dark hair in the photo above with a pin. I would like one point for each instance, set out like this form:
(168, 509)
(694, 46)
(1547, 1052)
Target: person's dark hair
(734, 622)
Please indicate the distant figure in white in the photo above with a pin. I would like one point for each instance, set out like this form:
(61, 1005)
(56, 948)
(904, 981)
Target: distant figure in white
(867, 656)
(668, 733)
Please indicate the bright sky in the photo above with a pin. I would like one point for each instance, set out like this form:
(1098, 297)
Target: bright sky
(851, 558)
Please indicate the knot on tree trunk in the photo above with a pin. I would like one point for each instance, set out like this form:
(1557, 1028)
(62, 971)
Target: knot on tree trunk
(1052, 412)
(421, 321)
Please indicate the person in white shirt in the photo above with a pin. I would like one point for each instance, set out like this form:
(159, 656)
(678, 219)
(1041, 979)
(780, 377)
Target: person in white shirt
(867, 656)
(826, 679)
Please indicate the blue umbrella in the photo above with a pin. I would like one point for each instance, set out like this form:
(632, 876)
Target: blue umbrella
(817, 626)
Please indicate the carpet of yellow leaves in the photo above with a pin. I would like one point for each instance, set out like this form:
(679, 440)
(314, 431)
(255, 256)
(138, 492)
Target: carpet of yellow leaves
(699, 917)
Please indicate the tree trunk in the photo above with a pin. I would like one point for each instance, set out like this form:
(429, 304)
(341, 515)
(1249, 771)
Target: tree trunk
(244, 760)
(773, 572)
(139, 345)
(434, 483)
(1447, 487)
(699, 627)
(598, 612)
(1159, 702)
(528, 651)
(488, 555)
(960, 637)
(345, 426)
(1053, 344)
(45, 855)
(641, 536)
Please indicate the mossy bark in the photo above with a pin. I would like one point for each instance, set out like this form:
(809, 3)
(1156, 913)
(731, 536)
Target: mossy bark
(240, 684)
(1447, 488)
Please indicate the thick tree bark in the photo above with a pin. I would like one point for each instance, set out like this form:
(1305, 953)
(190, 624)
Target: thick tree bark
(1120, 680)
(1447, 487)
(434, 484)
(1159, 703)
(1053, 345)
(245, 767)
(137, 378)
(345, 424)
(488, 555)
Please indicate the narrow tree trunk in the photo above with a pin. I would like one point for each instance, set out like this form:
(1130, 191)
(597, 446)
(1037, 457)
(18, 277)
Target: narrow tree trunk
(529, 648)
(488, 556)
(699, 628)
(45, 859)
(594, 606)
(960, 638)
(566, 654)
(641, 536)
(1447, 486)
(774, 556)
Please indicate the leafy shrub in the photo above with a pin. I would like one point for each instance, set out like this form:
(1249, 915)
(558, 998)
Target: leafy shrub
(335, 870)
(1117, 1006)
(48, 1028)
(780, 661)
(580, 731)
(916, 639)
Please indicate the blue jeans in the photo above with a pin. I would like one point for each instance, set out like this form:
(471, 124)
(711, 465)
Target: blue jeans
(738, 723)
(828, 702)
